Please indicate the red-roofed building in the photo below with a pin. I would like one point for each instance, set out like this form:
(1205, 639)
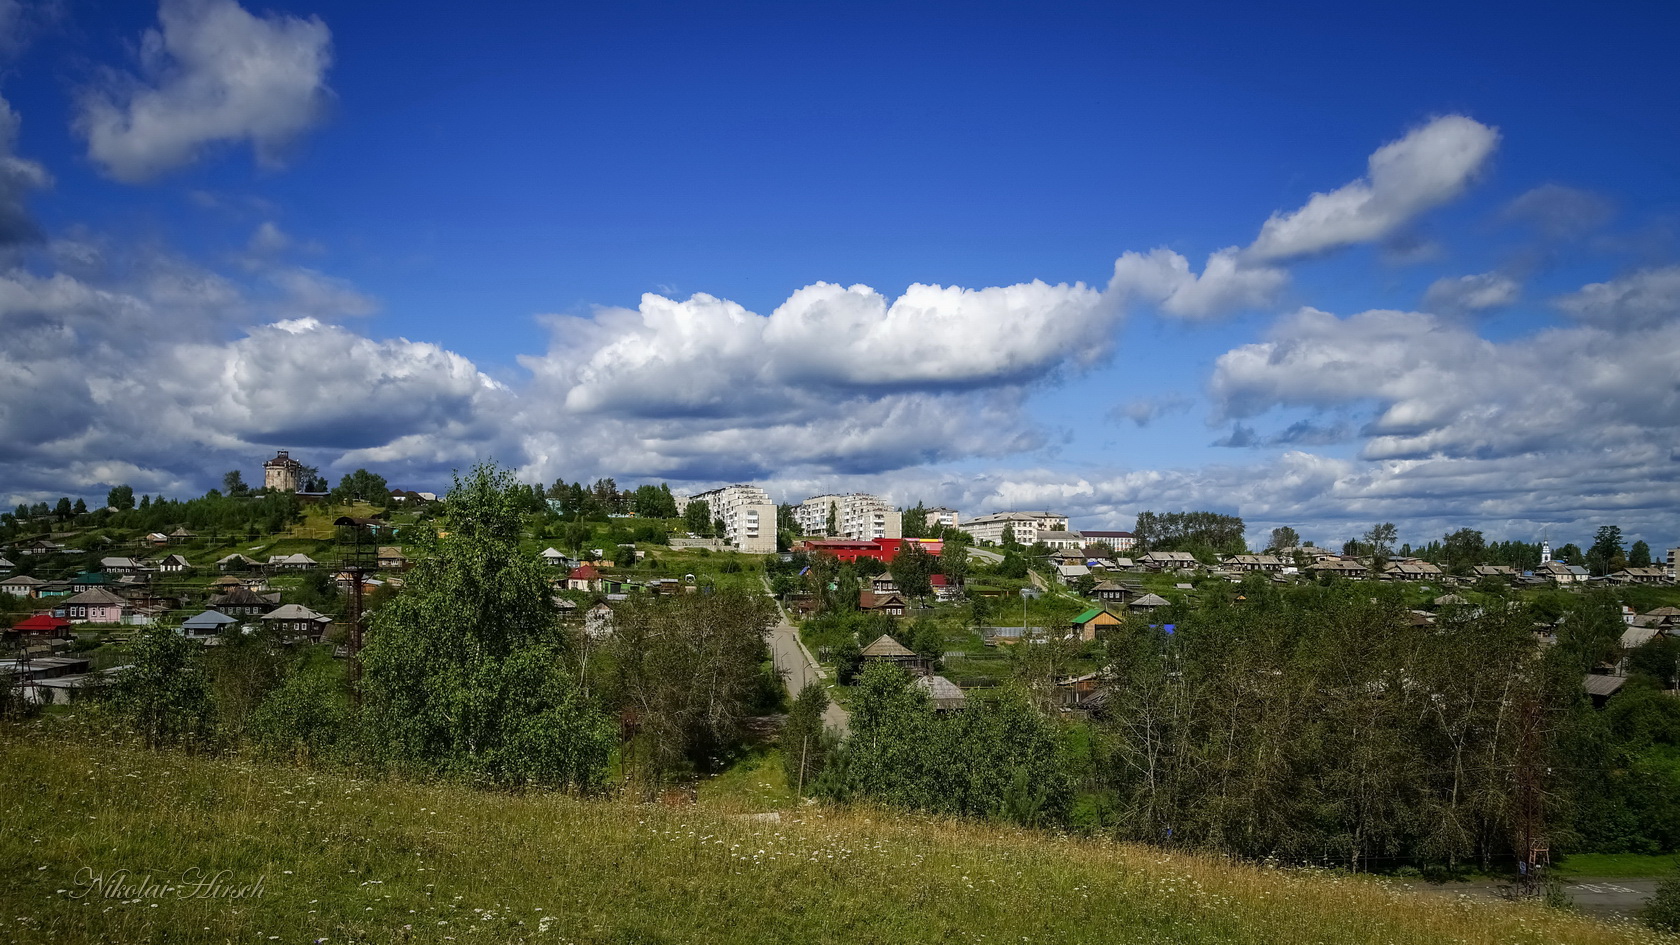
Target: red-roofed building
(881, 549)
(584, 577)
(44, 625)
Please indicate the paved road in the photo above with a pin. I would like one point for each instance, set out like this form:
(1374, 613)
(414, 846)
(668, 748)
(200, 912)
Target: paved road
(1600, 897)
(798, 667)
(991, 557)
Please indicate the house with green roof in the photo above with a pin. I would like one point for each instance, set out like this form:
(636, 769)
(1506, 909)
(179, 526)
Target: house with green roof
(1088, 623)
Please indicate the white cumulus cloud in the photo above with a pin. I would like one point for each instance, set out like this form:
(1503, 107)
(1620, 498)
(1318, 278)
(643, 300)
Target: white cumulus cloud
(1404, 178)
(1163, 278)
(210, 72)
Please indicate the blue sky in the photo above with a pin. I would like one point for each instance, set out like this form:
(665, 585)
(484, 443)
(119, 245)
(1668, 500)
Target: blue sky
(555, 235)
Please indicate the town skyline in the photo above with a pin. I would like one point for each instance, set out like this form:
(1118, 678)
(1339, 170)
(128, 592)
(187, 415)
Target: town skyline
(1444, 297)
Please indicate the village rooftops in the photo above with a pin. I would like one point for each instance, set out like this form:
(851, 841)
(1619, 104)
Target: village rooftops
(885, 647)
(97, 596)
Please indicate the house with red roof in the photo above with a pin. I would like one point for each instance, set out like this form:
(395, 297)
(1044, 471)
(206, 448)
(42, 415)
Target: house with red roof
(43, 625)
(584, 577)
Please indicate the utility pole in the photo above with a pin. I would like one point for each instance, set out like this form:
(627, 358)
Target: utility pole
(1533, 852)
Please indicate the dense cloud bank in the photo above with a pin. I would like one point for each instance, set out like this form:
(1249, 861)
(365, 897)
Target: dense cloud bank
(134, 365)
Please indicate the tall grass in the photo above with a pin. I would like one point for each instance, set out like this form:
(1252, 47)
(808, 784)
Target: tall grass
(348, 860)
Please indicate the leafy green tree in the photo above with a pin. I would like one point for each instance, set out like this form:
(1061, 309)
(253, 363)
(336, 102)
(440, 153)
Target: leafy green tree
(1463, 550)
(1662, 912)
(1283, 537)
(1639, 556)
(63, 510)
(80, 508)
(1012, 566)
(164, 695)
(1571, 554)
(997, 758)
(1007, 539)
(305, 717)
(833, 526)
(464, 671)
(233, 483)
(697, 517)
(240, 672)
(1606, 554)
(913, 522)
(911, 569)
(120, 498)
(1381, 538)
(363, 486)
(806, 740)
(689, 669)
(848, 659)
(953, 562)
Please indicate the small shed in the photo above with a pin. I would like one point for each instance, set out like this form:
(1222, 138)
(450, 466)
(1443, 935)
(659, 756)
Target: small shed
(206, 624)
(887, 650)
(1149, 602)
(1600, 688)
(945, 695)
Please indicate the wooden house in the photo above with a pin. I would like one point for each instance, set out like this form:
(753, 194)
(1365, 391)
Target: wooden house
(1086, 625)
(889, 604)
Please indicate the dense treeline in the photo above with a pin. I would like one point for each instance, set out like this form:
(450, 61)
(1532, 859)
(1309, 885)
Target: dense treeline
(1311, 724)
(604, 498)
(213, 514)
(1321, 724)
(1189, 531)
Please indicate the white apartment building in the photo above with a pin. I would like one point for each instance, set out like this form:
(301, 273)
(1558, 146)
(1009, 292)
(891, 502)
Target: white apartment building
(858, 516)
(1673, 562)
(748, 516)
(1121, 542)
(1027, 525)
(942, 516)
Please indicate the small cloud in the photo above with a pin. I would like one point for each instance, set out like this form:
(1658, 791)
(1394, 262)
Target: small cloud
(1147, 410)
(1477, 293)
(1299, 433)
(268, 240)
(1242, 436)
(1560, 212)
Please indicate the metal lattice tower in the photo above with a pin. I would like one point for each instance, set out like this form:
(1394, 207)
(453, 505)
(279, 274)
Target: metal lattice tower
(358, 557)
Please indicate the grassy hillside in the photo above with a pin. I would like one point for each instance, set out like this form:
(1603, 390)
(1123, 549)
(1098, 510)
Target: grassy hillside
(345, 860)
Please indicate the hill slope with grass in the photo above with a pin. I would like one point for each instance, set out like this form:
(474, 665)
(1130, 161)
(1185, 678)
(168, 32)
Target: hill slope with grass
(342, 859)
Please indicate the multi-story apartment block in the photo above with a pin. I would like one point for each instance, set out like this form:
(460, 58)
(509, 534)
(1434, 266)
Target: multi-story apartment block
(857, 516)
(1673, 562)
(942, 516)
(748, 516)
(1027, 525)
